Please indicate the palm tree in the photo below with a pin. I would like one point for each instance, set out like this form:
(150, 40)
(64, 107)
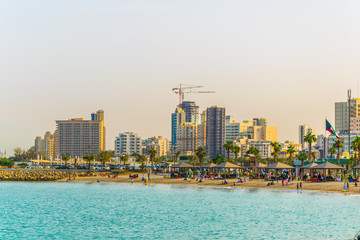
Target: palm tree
(313, 155)
(177, 155)
(302, 157)
(88, 158)
(254, 151)
(141, 158)
(65, 158)
(356, 146)
(291, 150)
(310, 138)
(152, 153)
(124, 158)
(332, 151)
(201, 154)
(228, 147)
(194, 159)
(276, 149)
(236, 150)
(105, 156)
(338, 145)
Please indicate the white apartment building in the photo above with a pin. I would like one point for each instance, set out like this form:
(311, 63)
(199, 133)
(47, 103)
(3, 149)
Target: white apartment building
(127, 143)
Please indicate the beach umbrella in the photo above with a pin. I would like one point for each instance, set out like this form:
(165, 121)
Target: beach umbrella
(227, 165)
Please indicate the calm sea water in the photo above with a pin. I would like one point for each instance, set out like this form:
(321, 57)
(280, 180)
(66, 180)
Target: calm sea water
(125, 211)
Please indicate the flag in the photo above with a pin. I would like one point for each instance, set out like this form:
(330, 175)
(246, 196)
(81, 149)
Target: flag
(330, 129)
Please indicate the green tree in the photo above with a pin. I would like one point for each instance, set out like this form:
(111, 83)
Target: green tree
(152, 153)
(219, 159)
(141, 158)
(124, 158)
(236, 150)
(105, 156)
(194, 160)
(201, 154)
(338, 145)
(332, 151)
(88, 158)
(313, 155)
(65, 158)
(310, 139)
(253, 152)
(355, 145)
(302, 157)
(228, 147)
(177, 155)
(291, 150)
(18, 154)
(276, 149)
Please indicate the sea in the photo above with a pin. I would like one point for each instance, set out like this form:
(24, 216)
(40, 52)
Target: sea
(75, 210)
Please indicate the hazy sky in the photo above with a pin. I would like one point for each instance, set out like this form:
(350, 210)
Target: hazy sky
(288, 61)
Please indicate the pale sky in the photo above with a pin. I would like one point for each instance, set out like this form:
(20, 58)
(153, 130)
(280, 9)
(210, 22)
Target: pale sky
(288, 61)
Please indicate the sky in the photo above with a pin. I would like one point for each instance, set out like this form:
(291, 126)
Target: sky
(287, 61)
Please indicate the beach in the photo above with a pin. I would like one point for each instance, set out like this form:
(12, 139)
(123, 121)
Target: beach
(327, 187)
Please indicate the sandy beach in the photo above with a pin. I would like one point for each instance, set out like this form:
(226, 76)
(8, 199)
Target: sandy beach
(327, 187)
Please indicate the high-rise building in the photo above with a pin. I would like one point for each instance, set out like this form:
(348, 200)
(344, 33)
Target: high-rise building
(177, 118)
(45, 145)
(232, 129)
(260, 122)
(342, 115)
(303, 130)
(159, 143)
(187, 138)
(191, 111)
(215, 131)
(127, 143)
(77, 137)
(202, 131)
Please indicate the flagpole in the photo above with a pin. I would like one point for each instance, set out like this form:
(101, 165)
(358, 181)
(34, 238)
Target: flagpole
(325, 148)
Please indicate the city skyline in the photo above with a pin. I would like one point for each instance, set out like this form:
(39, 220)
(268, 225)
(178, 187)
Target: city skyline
(63, 62)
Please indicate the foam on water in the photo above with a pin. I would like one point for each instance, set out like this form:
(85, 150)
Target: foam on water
(128, 211)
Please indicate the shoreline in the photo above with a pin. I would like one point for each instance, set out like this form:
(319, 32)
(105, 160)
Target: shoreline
(323, 187)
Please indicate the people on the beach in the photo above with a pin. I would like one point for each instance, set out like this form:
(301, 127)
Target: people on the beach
(344, 187)
(297, 186)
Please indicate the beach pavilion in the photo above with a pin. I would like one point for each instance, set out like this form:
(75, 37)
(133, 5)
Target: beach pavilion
(227, 165)
(259, 166)
(210, 166)
(182, 165)
(308, 166)
(278, 165)
(327, 166)
(356, 168)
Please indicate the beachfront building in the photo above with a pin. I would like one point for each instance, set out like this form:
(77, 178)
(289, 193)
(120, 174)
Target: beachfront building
(127, 143)
(355, 124)
(215, 131)
(232, 129)
(303, 130)
(157, 142)
(342, 115)
(77, 137)
(45, 145)
(177, 118)
(201, 136)
(187, 138)
(264, 148)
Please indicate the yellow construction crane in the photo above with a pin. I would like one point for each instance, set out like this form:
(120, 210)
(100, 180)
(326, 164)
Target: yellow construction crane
(181, 90)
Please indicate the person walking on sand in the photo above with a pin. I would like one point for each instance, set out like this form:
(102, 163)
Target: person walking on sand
(344, 187)
(300, 184)
(282, 182)
(348, 185)
(297, 186)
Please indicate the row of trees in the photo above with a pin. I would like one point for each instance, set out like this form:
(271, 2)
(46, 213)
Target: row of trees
(27, 154)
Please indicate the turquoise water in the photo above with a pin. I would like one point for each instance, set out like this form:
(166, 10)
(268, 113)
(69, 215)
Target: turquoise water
(132, 211)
